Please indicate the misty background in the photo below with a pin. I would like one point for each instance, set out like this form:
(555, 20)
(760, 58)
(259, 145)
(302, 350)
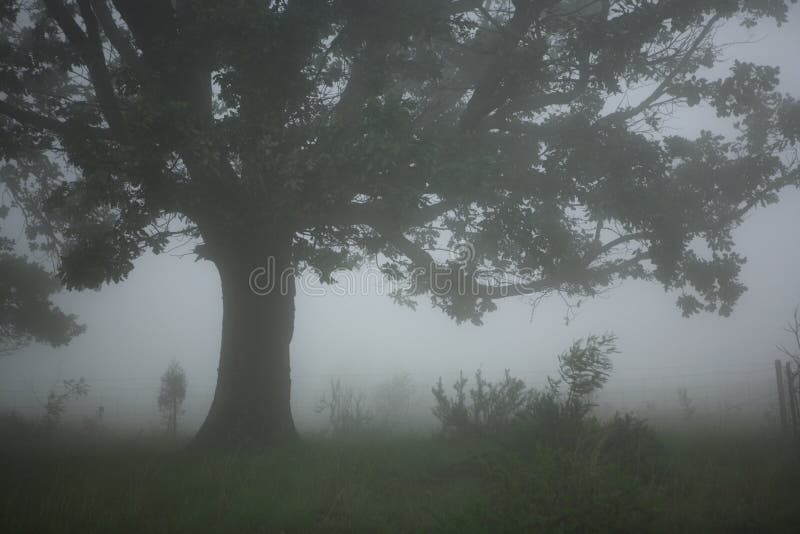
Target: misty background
(170, 307)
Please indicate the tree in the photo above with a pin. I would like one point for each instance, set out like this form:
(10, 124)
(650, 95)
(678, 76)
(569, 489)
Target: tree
(26, 311)
(57, 401)
(793, 328)
(686, 403)
(171, 395)
(294, 136)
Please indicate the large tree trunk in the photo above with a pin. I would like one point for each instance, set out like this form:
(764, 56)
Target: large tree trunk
(251, 403)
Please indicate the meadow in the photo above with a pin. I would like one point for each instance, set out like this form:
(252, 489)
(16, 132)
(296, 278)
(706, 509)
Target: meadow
(730, 481)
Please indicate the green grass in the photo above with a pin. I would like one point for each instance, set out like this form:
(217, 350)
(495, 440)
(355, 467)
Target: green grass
(722, 483)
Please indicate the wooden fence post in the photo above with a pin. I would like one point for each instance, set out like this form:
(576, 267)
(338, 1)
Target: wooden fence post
(792, 396)
(781, 396)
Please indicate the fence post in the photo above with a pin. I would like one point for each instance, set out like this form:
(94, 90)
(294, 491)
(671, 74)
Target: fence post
(781, 396)
(792, 397)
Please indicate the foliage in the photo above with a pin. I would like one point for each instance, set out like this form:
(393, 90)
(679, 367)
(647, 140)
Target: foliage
(366, 131)
(56, 403)
(555, 415)
(347, 412)
(584, 369)
(630, 444)
(491, 406)
(26, 310)
(171, 395)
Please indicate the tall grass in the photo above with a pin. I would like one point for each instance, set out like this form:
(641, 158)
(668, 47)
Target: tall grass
(725, 482)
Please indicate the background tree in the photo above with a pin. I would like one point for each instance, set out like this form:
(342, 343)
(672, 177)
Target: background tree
(171, 395)
(324, 133)
(686, 404)
(793, 328)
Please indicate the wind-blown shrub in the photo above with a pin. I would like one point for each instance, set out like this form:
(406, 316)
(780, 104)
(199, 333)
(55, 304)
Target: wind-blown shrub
(557, 415)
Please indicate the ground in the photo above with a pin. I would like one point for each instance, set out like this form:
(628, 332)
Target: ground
(728, 482)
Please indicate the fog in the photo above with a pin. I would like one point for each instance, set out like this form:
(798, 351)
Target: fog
(170, 307)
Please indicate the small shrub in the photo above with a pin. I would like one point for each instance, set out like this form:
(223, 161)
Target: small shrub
(491, 407)
(629, 443)
(56, 403)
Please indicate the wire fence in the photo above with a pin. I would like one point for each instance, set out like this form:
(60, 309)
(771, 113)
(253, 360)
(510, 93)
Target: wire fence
(730, 393)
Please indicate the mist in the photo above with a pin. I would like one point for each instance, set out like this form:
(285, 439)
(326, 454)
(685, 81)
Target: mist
(170, 307)
(372, 378)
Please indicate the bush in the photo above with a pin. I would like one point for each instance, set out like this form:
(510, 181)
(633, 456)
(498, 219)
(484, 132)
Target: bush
(492, 407)
(557, 416)
(629, 443)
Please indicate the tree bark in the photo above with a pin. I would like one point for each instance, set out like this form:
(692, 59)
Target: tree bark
(251, 406)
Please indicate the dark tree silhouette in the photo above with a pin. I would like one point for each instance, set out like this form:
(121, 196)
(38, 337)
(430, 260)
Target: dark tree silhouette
(322, 133)
(171, 395)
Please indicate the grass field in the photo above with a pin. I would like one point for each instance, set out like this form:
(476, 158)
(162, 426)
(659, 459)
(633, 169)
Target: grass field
(734, 482)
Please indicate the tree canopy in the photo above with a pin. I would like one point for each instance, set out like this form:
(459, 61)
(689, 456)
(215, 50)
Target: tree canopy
(26, 310)
(377, 129)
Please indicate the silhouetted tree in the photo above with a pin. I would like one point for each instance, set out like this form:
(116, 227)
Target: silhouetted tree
(320, 133)
(171, 395)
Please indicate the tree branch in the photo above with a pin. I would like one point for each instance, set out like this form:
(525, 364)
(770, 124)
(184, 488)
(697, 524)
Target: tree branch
(118, 39)
(424, 261)
(665, 84)
(484, 99)
(62, 128)
(90, 47)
